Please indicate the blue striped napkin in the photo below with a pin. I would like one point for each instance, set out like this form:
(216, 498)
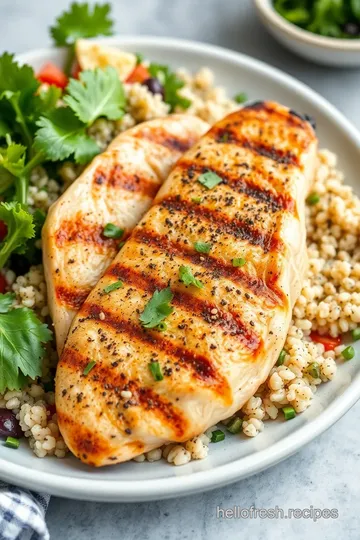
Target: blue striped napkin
(22, 514)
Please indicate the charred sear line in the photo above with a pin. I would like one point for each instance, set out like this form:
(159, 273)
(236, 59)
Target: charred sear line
(73, 298)
(241, 184)
(117, 178)
(201, 366)
(218, 268)
(238, 229)
(280, 156)
(162, 137)
(229, 322)
(113, 382)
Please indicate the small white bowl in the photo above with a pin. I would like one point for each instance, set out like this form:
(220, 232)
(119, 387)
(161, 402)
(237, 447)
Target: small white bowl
(318, 49)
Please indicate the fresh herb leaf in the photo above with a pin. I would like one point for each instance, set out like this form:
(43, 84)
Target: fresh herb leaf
(209, 179)
(197, 200)
(112, 231)
(172, 84)
(157, 309)
(13, 157)
(155, 370)
(18, 86)
(20, 228)
(188, 278)
(80, 21)
(97, 93)
(238, 262)
(4, 128)
(139, 58)
(47, 100)
(241, 97)
(21, 343)
(113, 287)
(202, 247)
(61, 135)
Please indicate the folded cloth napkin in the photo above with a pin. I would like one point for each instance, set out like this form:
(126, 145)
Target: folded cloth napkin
(22, 514)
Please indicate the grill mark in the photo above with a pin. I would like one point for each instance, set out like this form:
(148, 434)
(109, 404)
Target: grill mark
(280, 156)
(86, 444)
(201, 366)
(220, 269)
(114, 382)
(162, 137)
(241, 184)
(71, 297)
(234, 227)
(117, 178)
(77, 230)
(230, 322)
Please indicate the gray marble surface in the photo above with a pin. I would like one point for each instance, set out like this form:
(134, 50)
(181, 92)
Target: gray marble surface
(325, 474)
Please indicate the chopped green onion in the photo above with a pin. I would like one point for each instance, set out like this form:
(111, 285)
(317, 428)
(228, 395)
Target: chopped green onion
(113, 286)
(156, 372)
(197, 200)
(11, 442)
(161, 327)
(121, 245)
(355, 334)
(348, 353)
(289, 412)
(202, 247)
(281, 358)
(241, 97)
(112, 231)
(238, 262)
(209, 179)
(314, 370)
(217, 435)
(234, 426)
(313, 198)
(89, 367)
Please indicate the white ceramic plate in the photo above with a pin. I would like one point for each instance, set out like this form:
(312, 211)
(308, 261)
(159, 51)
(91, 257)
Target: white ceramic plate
(237, 457)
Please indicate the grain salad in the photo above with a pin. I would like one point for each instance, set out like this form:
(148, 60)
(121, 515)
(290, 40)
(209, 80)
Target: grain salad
(327, 308)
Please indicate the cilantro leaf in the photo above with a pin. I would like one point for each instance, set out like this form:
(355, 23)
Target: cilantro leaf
(6, 301)
(202, 247)
(113, 231)
(61, 135)
(209, 179)
(188, 278)
(20, 228)
(47, 100)
(82, 22)
(157, 309)
(171, 83)
(18, 86)
(4, 128)
(97, 93)
(21, 344)
(12, 158)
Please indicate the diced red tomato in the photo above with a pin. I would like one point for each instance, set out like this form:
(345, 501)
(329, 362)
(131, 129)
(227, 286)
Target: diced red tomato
(3, 230)
(329, 342)
(51, 74)
(139, 75)
(76, 70)
(3, 284)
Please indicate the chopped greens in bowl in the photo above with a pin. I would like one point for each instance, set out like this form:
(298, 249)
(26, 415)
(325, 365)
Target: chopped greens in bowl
(329, 18)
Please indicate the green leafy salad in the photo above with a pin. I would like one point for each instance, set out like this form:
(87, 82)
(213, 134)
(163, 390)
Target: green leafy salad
(330, 18)
(45, 119)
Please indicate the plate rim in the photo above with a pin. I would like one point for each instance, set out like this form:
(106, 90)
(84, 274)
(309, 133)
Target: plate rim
(95, 489)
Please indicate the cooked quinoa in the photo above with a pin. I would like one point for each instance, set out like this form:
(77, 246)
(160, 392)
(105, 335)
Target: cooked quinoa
(329, 302)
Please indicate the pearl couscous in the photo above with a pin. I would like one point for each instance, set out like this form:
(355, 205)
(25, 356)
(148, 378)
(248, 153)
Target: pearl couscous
(329, 302)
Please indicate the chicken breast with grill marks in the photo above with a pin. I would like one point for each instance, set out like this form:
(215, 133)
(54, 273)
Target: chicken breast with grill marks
(117, 187)
(221, 340)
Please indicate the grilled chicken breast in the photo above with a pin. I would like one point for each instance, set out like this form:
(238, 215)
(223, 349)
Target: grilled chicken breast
(117, 187)
(221, 340)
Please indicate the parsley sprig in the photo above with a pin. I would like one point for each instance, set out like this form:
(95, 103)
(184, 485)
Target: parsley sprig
(22, 340)
(80, 21)
(157, 308)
